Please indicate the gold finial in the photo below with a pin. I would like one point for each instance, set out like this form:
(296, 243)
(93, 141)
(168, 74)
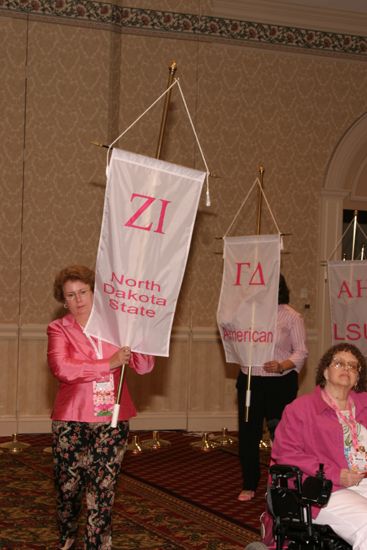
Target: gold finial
(173, 67)
(259, 199)
(100, 144)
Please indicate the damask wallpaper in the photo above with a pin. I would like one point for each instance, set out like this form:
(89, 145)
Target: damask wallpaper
(71, 83)
(77, 72)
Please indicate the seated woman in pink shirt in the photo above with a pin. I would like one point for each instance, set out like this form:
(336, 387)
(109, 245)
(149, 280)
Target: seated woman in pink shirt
(329, 427)
(87, 451)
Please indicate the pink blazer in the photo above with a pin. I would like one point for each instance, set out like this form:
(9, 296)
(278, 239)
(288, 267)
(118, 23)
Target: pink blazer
(309, 434)
(73, 361)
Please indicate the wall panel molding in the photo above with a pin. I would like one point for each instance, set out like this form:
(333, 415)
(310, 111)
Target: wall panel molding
(8, 331)
(25, 425)
(193, 389)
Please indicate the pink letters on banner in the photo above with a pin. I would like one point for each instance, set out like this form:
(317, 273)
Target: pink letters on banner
(347, 290)
(133, 299)
(138, 213)
(148, 220)
(257, 276)
(247, 309)
(351, 331)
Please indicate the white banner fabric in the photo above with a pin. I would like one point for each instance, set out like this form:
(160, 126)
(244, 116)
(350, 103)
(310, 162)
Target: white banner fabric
(148, 219)
(248, 304)
(348, 294)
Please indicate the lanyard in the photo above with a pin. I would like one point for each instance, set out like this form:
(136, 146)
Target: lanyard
(97, 347)
(349, 420)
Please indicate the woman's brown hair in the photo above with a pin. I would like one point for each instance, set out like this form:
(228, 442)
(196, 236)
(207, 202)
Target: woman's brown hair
(72, 273)
(329, 355)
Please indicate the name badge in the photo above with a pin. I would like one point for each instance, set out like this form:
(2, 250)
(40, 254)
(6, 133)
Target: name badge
(104, 397)
(358, 460)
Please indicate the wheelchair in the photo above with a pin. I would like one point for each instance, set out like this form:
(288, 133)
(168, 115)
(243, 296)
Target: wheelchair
(287, 523)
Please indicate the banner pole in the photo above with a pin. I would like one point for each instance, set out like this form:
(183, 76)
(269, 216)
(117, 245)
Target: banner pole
(248, 394)
(258, 231)
(354, 232)
(259, 200)
(116, 407)
(172, 70)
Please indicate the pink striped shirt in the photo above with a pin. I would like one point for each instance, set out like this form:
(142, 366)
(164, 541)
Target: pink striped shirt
(290, 342)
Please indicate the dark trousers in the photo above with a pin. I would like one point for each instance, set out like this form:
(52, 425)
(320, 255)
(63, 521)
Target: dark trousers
(87, 458)
(269, 396)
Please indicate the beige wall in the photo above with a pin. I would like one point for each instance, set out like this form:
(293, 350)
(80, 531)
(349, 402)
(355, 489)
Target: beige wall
(66, 83)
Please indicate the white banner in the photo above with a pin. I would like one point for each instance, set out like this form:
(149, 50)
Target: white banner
(248, 304)
(149, 214)
(348, 307)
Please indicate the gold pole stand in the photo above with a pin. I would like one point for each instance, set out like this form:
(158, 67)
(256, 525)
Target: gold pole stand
(205, 445)
(224, 440)
(265, 443)
(14, 446)
(155, 443)
(135, 446)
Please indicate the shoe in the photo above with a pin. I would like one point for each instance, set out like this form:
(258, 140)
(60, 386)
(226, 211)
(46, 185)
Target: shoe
(69, 544)
(246, 495)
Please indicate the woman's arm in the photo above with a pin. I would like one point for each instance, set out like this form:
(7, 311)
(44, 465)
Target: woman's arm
(290, 348)
(142, 363)
(66, 368)
(298, 342)
(299, 441)
(288, 446)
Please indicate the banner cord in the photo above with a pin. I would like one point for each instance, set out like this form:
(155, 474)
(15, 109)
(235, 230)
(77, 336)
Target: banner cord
(256, 182)
(174, 83)
(342, 237)
(198, 143)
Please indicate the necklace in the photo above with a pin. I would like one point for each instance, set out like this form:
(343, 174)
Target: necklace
(349, 419)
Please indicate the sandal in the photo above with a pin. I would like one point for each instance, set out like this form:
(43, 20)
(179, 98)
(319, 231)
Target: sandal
(246, 495)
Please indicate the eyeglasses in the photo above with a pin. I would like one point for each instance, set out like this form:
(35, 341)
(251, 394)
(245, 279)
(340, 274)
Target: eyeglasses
(80, 293)
(346, 365)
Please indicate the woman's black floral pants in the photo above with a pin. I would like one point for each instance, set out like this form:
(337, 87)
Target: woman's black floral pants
(87, 458)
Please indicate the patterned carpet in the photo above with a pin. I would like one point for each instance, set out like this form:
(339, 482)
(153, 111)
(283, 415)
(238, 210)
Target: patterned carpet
(171, 499)
(210, 481)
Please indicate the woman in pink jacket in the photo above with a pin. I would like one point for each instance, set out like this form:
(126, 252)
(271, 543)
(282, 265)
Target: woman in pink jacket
(329, 427)
(87, 452)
